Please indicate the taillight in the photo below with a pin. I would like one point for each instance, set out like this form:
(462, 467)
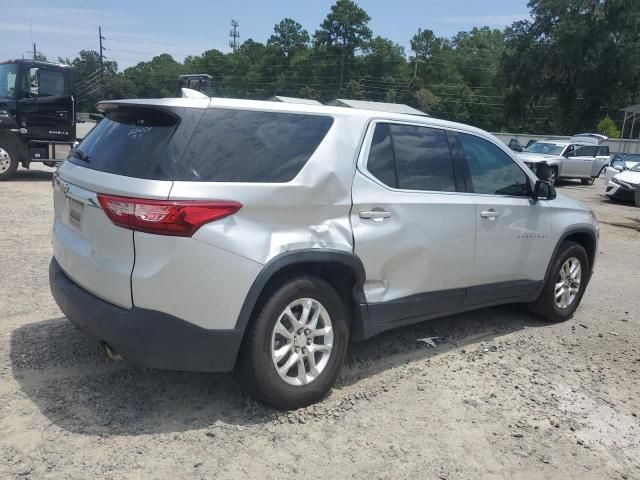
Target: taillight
(180, 218)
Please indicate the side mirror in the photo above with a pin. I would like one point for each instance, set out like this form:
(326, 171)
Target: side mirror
(34, 82)
(619, 168)
(543, 191)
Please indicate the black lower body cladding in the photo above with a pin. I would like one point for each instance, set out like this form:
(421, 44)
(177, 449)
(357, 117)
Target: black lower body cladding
(146, 338)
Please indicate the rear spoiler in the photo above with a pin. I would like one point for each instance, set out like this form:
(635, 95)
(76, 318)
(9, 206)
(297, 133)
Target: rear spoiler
(159, 103)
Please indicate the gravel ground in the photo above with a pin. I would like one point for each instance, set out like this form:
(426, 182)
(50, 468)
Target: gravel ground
(501, 395)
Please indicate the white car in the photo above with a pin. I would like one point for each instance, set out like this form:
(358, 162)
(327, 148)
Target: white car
(580, 157)
(620, 163)
(624, 185)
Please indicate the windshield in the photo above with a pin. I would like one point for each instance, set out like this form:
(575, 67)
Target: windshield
(635, 168)
(545, 148)
(8, 74)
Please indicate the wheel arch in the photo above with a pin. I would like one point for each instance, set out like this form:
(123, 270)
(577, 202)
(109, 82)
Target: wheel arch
(343, 270)
(13, 141)
(584, 236)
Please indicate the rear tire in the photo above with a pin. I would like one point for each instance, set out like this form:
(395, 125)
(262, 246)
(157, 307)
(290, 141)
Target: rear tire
(549, 305)
(8, 160)
(262, 369)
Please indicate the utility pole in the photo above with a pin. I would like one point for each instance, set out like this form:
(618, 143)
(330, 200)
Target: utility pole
(415, 58)
(100, 38)
(234, 33)
(35, 56)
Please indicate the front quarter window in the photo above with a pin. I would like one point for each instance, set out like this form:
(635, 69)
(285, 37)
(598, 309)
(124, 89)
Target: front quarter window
(492, 171)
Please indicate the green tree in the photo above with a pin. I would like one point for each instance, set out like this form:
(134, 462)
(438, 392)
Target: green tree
(89, 86)
(424, 44)
(289, 37)
(572, 60)
(352, 90)
(156, 78)
(426, 100)
(608, 127)
(310, 93)
(344, 31)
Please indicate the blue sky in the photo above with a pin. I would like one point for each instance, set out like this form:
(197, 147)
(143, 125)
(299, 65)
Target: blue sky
(138, 29)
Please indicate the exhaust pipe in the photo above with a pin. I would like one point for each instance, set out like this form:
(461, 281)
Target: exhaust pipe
(111, 353)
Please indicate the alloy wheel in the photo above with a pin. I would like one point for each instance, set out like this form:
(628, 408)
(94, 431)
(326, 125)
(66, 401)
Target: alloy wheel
(568, 282)
(5, 160)
(302, 341)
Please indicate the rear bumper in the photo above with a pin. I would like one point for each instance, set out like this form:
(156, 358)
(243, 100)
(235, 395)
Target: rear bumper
(146, 338)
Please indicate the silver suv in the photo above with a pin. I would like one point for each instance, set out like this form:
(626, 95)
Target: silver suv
(213, 234)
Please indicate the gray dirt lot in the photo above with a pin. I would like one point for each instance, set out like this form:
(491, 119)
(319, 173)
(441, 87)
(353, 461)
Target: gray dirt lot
(504, 396)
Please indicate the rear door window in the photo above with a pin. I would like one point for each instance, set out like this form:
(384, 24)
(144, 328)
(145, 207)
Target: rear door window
(251, 146)
(411, 158)
(588, 151)
(129, 143)
(423, 158)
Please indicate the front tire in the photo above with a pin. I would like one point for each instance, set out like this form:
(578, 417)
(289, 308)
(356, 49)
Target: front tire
(8, 160)
(565, 285)
(295, 348)
(587, 181)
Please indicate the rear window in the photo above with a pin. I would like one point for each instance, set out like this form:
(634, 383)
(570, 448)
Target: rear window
(250, 146)
(127, 142)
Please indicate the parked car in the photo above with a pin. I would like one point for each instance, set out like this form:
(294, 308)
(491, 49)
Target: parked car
(624, 185)
(581, 157)
(619, 163)
(213, 234)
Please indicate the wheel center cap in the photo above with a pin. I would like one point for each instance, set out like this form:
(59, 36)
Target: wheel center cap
(300, 340)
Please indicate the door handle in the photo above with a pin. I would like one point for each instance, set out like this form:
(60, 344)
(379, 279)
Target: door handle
(375, 215)
(490, 214)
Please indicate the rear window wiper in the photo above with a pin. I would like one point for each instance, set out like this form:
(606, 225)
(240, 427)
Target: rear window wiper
(77, 153)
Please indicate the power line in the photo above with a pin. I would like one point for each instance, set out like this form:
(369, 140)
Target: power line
(137, 42)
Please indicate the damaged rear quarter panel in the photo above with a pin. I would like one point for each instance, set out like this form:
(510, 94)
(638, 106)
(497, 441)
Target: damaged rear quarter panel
(311, 211)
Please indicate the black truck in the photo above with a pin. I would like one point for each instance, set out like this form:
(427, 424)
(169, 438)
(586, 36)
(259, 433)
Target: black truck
(37, 113)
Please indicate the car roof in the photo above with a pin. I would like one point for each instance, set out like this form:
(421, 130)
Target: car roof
(28, 61)
(285, 107)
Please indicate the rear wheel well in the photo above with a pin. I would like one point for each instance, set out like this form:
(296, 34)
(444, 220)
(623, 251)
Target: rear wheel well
(340, 276)
(588, 243)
